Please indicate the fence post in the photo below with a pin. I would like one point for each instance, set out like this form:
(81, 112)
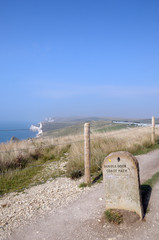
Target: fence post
(87, 161)
(153, 130)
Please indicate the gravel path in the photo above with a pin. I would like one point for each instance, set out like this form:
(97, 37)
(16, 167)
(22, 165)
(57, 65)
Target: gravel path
(17, 209)
(60, 210)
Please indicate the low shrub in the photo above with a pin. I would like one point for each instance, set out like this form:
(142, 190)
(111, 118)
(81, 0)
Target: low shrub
(76, 174)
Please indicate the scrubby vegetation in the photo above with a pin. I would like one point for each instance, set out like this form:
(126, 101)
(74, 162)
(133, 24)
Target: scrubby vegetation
(27, 168)
(25, 163)
(113, 216)
(83, 185)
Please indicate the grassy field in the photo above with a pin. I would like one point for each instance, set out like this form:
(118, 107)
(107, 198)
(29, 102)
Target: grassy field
(76, 129)
(26, 163)
(73, 126)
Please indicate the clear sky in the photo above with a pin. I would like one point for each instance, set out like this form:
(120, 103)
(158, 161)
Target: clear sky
(79, 58)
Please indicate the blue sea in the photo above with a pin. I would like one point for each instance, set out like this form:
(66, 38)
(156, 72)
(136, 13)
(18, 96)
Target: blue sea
(19, 130)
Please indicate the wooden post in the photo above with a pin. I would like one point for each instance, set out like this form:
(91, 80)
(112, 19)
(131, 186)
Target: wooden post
(87, 161)
(153, 130)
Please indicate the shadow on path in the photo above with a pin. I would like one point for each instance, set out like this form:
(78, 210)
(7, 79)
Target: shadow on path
(146, 194)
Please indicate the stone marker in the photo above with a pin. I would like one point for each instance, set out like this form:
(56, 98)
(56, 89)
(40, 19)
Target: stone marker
(122, 182)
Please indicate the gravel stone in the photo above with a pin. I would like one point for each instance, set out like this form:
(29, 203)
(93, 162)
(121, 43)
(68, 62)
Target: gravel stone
(16, 209)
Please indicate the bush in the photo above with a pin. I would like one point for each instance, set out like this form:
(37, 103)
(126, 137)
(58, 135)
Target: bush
(76, 174)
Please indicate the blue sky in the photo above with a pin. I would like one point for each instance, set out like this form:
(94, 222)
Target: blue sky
(79, 58)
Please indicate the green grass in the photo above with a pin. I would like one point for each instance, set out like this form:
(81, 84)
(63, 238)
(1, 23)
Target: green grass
(113, 127)
(75, 128)
(152, 181)
(17, 180)
(148, 147)
(113, 216)
(32, 174)
(146, 189)
(83, 185)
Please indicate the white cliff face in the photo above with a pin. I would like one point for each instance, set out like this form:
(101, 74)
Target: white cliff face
(49, 119)
(37, 129)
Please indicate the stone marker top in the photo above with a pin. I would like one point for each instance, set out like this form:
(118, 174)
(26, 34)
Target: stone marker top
(122, 182)
(121, 154)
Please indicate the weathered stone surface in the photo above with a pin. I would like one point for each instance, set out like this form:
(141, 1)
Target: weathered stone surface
(122, 182)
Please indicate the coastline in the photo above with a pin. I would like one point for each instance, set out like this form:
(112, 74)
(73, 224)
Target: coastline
(37, 129)
(18, 130)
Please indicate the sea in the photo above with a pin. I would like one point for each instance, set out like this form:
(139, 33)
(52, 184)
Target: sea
(19, 130)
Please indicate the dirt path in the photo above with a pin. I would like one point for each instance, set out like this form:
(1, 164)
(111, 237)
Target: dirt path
(82, 218)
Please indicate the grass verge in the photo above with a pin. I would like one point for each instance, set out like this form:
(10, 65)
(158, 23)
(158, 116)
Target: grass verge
(83, 185)
(102, 147)
(148, 147)
(152, 181)
(146, 189)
